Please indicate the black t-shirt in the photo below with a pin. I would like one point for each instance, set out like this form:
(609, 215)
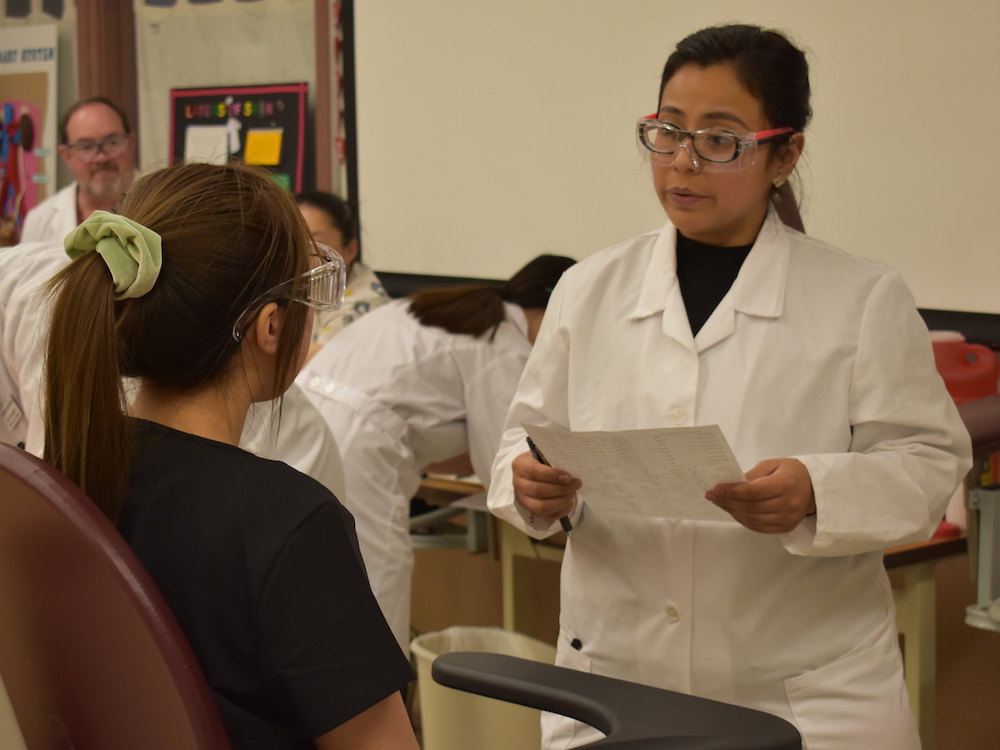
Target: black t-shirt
(705, 273)
(260, 564)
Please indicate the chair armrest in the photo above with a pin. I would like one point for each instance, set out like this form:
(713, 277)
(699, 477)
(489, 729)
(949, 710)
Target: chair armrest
(633, 716)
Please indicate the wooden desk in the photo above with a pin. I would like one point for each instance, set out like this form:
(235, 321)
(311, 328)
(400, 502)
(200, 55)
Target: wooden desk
(453, 498)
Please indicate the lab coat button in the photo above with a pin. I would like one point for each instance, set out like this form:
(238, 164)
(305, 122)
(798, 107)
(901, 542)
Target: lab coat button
(672, 613)
(677, 416)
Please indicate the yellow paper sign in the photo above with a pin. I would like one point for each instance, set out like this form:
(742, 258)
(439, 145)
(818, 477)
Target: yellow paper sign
(263, 146)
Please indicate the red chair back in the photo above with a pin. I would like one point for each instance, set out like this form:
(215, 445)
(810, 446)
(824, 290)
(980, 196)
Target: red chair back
(90, 654)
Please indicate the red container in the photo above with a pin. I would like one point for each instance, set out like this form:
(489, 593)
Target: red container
(970, 371)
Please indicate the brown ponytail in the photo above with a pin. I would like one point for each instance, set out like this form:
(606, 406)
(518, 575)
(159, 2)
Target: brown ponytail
(474, 309)
(477, 309)
(86, 433)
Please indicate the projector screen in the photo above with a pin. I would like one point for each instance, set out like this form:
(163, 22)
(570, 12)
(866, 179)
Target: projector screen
(490, 132)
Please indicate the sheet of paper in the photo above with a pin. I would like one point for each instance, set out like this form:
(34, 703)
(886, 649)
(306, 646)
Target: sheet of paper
(661, 472)
(263, 146)
(206, 143)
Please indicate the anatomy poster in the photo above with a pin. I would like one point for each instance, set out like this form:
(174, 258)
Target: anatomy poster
(27, 123)
(251, 124)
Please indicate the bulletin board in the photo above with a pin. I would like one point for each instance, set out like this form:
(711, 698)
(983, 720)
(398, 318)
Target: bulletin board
(263, 125)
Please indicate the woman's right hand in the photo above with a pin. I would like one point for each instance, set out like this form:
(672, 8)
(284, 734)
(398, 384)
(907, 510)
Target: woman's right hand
(545, 492)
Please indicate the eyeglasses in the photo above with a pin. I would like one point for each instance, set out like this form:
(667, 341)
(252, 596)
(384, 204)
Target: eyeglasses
(111, 147)
(720, 149)
(321, 288)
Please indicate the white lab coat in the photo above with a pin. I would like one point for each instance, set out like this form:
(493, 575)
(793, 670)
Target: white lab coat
(398, 396)
(53, 218)
(24, 270)
(301, 439)
(812, 354)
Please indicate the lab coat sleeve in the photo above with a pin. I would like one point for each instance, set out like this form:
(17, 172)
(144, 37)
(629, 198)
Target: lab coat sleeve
(488, 396)
(909, 447)
(301, 438)
(541, 398)
(25, 308)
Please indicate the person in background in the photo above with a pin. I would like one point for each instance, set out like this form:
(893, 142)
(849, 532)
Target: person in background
(727, 317)
(97, 145)
(419, 381)
(331, 222)
(202, 289)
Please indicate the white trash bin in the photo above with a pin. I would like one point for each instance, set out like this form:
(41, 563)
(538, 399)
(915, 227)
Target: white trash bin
(454, 720)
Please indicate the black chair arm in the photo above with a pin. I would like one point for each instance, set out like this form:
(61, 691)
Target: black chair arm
(633, 716)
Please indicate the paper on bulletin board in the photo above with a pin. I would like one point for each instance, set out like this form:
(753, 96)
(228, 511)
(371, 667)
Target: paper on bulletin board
(662, 473)
(263, 146)
(208, 143)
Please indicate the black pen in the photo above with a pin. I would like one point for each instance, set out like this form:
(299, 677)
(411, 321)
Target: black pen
(537, 455)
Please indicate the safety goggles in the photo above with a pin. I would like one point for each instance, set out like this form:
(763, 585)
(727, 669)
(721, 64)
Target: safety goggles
(322, 288)
(712, 149)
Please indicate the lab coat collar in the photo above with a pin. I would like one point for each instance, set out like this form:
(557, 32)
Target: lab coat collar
(759, 288)
(517, 318)
(660, 291)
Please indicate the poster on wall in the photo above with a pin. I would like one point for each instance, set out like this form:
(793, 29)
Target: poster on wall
(262, 125)
(28, 63)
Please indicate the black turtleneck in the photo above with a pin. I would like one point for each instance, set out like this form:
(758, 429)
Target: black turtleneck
(705, 273)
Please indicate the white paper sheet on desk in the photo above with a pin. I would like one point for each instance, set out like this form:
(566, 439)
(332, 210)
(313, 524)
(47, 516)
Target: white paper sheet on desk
(662, 472)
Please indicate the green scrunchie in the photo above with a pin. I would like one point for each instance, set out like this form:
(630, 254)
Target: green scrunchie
(132, 252)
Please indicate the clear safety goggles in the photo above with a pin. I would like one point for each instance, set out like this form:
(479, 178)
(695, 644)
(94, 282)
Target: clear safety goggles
(322, 288)
(710, 149)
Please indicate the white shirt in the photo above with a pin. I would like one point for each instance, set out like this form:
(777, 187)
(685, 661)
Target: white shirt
(812, 354)
(53, 218)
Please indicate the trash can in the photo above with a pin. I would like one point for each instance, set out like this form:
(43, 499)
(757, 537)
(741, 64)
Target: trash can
(454, 720)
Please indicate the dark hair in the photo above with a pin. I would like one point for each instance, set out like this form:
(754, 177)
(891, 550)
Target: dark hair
(229, 233)
(770, 67)
(64, 120)
(477, 309)
(337, 209)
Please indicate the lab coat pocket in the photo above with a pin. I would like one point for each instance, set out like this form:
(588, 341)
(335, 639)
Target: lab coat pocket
(857, 700)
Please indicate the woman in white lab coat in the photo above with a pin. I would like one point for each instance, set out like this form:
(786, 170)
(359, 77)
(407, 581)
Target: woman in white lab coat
(415, 382)
(819, 372)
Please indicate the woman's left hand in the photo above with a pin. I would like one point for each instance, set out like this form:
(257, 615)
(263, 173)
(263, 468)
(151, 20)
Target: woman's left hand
(775, 497)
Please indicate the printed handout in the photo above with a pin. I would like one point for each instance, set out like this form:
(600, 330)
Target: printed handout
(661, 472)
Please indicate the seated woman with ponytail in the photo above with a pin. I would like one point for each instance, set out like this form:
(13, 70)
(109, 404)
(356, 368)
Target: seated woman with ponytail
(203, 290)
(420, 381)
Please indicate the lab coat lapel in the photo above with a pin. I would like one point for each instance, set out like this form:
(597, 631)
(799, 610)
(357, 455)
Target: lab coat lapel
(661, 292)
(759, 288)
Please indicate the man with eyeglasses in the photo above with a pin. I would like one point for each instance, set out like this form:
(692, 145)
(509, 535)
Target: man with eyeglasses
(97, 145)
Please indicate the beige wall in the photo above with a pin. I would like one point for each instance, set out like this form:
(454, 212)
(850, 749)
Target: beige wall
(491, 131)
